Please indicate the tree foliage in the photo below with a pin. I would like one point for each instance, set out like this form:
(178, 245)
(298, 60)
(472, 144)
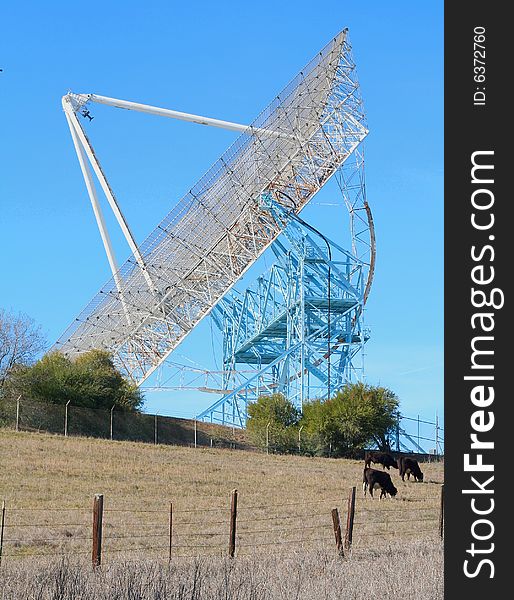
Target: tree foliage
(21, 340)
(356, 417)
(283, 418)
(91, 380)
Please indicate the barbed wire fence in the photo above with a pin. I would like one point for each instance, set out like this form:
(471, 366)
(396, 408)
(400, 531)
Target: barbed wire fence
(225, 528)
(114, 424)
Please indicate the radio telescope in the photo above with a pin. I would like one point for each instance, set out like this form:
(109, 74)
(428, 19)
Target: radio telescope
(299, 329)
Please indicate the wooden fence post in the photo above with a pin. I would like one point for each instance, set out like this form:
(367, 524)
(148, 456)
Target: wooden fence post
(337, 531)
(441, 514)
(98, 509)
(171, 528)
(348, 537)
(233, 519)
(2, 524)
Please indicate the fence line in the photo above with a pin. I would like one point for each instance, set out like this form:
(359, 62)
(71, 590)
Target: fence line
(45, 509)
(112, 424)
(322, 529)
(325, 501)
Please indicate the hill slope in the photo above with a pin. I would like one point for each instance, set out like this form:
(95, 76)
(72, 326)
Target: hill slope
(48, 483)
(284, 517)
(47, 469)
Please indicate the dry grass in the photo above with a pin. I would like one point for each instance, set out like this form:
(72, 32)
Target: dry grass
(410, 571)
(42, 469)
(283, 515)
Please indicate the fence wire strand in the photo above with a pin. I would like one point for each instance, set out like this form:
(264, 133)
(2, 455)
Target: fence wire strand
(369, 521)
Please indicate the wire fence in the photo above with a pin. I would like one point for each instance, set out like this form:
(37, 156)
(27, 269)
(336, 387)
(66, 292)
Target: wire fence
(66, 419)
(69, 420)
(420, 433)
(224, 527)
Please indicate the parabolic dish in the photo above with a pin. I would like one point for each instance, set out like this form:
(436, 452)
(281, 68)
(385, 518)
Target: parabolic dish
(220, 227)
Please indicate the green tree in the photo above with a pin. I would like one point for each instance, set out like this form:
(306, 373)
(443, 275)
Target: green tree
(91, 380)
(358, 416)
(283, 418)
(316, 425)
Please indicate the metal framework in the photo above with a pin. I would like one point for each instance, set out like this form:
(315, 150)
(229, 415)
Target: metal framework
(230, 217)
(301, 340)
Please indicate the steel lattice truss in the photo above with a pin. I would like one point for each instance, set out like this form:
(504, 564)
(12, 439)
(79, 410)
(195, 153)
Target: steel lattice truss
(280, 326)
(220, 227)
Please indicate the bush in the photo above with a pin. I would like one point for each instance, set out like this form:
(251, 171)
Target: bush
(91, 380)
(282, 417)
(358, 416)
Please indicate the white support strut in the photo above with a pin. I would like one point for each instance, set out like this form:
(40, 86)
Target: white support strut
(97, 210)
(83, 99)
(71, 103)
(88, 148)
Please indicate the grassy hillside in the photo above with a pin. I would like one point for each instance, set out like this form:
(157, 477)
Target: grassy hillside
(284, 512)
(41, 470)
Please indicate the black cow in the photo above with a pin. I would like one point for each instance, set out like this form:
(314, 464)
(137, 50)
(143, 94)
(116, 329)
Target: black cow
(386, 460)
(408, 466)
(378, 479)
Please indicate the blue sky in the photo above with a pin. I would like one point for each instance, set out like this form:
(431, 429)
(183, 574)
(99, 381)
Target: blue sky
(226, 60)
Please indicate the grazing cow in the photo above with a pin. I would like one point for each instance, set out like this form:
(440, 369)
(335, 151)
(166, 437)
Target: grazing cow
(377, 479)
(386, 460)
(408, 466)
